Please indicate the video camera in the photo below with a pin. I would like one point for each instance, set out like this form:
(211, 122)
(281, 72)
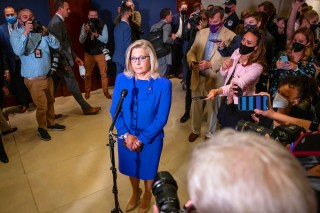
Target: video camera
(165, 189)
(285, 134)
(37, 26)
(195, 19)
(93, 24)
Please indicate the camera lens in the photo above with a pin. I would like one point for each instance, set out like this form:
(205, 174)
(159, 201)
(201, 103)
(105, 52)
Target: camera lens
(165, 189)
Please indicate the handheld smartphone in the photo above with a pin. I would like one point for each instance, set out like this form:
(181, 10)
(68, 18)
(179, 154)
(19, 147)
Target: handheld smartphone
(249, 103)
(284, 58)
(215, 40)
(197, 98)
(307, 144)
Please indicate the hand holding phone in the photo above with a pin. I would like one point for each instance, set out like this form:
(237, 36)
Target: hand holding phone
(197, 98)
(249, 103)
(215, 40)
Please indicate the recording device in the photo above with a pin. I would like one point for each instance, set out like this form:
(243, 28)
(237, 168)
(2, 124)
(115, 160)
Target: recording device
(55, 62)
(36, 25)
(105, 52)
(93, 24)
(195, 19)
(124, 93)
(249, 103)
(284, 134)
(165, 188)
(215, 40)
(284, 58)
(197, 98)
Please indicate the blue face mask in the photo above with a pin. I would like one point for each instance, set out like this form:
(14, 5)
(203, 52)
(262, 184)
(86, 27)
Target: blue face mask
(11, 19)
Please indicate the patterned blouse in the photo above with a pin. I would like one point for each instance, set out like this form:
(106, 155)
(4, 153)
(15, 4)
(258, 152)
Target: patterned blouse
(276, 75)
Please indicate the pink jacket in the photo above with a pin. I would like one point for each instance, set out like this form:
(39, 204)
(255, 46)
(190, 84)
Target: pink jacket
(245, 77)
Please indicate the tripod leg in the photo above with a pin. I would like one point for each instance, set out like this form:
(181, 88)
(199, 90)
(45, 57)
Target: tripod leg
(3, 155)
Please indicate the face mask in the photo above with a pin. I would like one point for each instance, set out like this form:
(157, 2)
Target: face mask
(227, 10)
(248, 26)
(215, 27)
(93, 20)
(244, 50)
(183, 12)
(297, 47)
(280, 102)
(11, 19)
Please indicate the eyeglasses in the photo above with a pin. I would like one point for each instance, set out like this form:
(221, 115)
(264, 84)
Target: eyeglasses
(141, 58)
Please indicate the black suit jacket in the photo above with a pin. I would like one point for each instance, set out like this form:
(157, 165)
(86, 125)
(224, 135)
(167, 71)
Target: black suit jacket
(58, 28)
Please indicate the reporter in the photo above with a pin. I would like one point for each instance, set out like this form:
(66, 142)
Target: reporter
(300, 63)
(247, 172)
(242, 69)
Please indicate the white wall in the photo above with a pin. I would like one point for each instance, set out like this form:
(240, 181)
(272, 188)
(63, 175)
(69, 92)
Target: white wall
(283, 6)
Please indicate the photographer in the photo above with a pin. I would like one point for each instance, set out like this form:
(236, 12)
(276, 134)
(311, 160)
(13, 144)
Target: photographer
(244, 172)
(31, 43)
(94, 35)
(249, 172)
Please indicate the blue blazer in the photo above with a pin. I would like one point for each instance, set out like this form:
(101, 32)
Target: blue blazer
(5, 43)
(122, 40)
(146, 116)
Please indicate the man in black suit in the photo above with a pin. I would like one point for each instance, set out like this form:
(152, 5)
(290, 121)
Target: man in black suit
(67, 57)
(179, 24)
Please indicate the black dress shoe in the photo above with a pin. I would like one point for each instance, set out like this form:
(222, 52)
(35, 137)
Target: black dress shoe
(184, 118)
(4, 158)
(13, 129)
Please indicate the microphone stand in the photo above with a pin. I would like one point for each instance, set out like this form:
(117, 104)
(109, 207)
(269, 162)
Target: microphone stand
(112, 141)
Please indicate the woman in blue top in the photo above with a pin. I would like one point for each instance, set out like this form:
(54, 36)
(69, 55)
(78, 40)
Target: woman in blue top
(144, 114)
(296, 60)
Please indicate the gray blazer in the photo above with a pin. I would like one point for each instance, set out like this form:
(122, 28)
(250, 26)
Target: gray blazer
(166, 39)
(58, 28)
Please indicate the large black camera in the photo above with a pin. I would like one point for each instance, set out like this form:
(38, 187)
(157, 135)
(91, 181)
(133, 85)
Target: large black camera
(285, 134)
(93, 24)
(195, 19)
(165, 189)
(37, 26)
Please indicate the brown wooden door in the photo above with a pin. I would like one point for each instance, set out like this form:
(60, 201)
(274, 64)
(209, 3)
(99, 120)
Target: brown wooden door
(190, 4)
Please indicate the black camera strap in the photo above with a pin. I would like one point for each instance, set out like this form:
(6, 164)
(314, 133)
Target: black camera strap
(33, 41)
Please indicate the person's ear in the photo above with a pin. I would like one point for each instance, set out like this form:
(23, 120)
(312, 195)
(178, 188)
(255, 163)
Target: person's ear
(259, 24)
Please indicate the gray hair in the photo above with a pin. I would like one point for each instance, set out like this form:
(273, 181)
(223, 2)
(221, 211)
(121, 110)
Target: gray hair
(147, 46)
(244, 172)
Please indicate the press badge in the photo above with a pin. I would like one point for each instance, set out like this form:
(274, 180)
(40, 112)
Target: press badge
(38, 53)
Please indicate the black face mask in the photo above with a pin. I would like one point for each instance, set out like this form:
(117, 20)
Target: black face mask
(297, 47)
(183, 12)
(244, 50)
(227, 10)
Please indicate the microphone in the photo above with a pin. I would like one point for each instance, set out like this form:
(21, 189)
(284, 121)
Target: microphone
(124, 93)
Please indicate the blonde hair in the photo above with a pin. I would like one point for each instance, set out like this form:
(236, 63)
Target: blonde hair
(147, 46)
(308, 50)
(244, 172)
(308, 15)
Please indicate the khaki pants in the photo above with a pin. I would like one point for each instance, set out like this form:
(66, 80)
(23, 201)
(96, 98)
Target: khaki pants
(89, 62)
(41, 90)
(197, 110)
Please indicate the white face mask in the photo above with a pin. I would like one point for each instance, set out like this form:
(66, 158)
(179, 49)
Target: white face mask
(280, 102)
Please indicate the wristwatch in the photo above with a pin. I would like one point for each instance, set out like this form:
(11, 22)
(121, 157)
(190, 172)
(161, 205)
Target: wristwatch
(125, 136)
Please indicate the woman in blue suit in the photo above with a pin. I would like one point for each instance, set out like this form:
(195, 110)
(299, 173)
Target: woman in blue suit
(144, 114)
